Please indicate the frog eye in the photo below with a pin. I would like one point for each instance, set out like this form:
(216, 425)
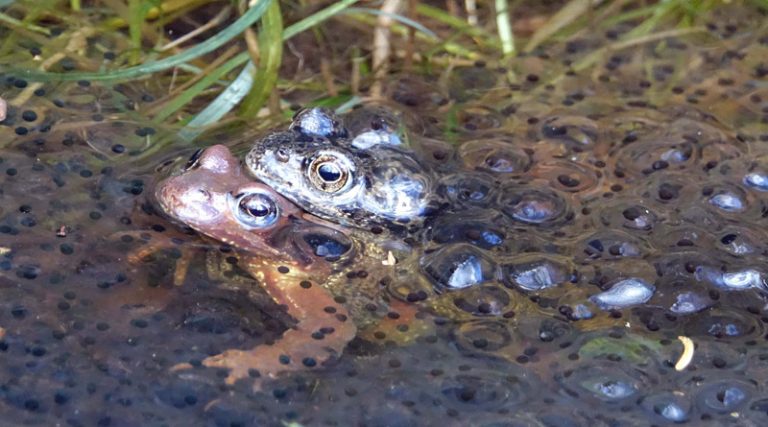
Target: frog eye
(194, 160)
(256, 210)
(329, 173)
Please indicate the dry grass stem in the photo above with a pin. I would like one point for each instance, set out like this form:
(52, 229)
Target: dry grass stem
(381, 44)
(216, 20)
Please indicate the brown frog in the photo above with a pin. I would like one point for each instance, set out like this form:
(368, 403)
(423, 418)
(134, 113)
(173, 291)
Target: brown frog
(285, 251)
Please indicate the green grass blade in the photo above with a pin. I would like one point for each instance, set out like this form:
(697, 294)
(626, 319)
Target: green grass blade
(662, 10)
(316, 18)
(135, 21)
(271, 55)
(396, 17)
(457, 23)
(627, 16)
(762, 4)
(249, 18)
(565, 16)
(190, 94)
(13, 22)
(450, 47)
(222, 105)
(349, 104)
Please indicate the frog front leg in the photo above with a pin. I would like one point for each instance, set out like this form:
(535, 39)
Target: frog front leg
(155, 242)
(323, 327)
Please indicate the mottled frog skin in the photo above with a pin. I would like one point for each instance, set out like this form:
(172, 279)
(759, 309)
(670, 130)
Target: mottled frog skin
(376, 184)
(214, 197)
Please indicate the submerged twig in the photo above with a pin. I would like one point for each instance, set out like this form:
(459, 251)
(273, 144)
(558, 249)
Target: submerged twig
(687, 356)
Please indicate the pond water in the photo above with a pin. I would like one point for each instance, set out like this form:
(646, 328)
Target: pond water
(591, 218)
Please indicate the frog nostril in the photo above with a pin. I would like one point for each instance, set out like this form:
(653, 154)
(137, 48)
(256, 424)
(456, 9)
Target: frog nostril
(196, 196)
(282, 155)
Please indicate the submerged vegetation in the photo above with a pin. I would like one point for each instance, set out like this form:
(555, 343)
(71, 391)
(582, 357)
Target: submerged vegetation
(213, 59)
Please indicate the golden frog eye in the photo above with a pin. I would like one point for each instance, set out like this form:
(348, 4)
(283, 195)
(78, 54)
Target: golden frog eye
(256, 210)
(328, 173)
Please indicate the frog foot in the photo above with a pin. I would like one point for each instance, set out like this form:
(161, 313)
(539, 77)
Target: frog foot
(321, 334)
(268, 362)
(298, 350)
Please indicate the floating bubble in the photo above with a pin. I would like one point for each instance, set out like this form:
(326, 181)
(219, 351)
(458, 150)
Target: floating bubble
(756, 180)
(624, 293)
(533, 206)
(609, 245)
(690, 302)
(458, 266)
(734, 280)
(605, 384)
(668, 406)
(724, 396)
(728, 202)
(472, 227)
(537, 272)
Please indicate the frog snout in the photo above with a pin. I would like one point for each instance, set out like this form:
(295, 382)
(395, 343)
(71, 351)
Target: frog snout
(194, 196)
(174, 198)
(196, 206)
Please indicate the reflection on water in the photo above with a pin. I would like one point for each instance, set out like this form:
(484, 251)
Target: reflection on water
(589, 220)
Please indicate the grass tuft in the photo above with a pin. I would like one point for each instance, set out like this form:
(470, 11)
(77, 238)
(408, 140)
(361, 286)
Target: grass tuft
(249, 18)
(208, 79)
